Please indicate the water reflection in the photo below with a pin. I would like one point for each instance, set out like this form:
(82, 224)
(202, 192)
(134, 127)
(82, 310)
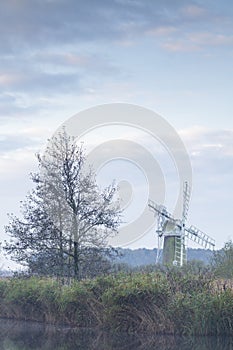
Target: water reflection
(32, 336)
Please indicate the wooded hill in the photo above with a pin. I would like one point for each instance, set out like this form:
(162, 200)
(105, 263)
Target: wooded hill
(144, 256)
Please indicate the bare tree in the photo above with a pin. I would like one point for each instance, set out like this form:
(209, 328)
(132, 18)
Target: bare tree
(67, 215)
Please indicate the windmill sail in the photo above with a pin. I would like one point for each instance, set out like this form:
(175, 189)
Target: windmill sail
(160, 209)
(199, 237)
(186, 198)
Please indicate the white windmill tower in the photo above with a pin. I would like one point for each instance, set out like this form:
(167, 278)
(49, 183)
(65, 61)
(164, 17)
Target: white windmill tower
(173, 233)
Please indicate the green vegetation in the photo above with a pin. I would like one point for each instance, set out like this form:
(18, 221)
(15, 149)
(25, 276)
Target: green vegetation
(222, 261)
(171, 302)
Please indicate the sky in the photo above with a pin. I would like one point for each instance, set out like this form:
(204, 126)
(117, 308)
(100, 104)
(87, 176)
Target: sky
(59, 57)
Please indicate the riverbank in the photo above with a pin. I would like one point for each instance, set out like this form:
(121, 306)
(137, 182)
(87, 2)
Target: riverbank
(162, 303)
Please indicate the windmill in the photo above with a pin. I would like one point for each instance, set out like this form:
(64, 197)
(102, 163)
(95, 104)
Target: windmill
(173, 233)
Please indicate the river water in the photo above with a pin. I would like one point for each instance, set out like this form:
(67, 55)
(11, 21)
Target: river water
(18, 335)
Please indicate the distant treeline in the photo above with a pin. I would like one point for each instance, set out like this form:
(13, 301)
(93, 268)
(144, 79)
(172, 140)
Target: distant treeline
(144, 256)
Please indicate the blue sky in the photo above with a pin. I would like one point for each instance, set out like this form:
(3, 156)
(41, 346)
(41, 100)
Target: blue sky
(58, 57)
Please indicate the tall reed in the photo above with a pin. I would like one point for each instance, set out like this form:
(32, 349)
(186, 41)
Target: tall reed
(158, 302)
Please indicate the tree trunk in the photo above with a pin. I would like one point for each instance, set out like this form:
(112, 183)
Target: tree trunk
(61, 251)
(76, 261)
(76, 246)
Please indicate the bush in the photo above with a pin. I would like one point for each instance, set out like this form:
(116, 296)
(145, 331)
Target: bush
(222, 261)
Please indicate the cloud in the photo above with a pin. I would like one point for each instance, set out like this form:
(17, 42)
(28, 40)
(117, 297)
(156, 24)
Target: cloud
(211, 154)
(193, 11)
(197, 136)
(192, 28)
(162, 31)
(197, 41)
(203, 39)
(53, 48)
(179, 46)
(43, 79)
(7, 80)
(67, 58)
(15, 141)
(60, 56)
(9, 143)
(28, 24)
(36, 81)
(211, 151)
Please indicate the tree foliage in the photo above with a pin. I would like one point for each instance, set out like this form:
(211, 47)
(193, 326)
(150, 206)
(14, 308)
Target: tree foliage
(66, 218)
(222, 261)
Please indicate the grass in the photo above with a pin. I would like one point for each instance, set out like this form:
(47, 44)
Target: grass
(162, 303)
